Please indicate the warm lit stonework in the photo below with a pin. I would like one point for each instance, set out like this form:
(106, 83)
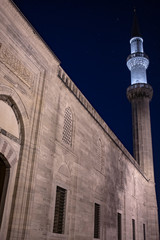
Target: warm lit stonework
(64, 175)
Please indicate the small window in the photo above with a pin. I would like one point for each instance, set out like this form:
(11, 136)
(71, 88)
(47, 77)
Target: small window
(144, 232)
(133, 229)
(97, 221)
(119, 223)
(59, 215)
(67, 127)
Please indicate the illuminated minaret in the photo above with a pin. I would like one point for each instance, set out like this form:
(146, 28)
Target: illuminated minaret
(139, 94)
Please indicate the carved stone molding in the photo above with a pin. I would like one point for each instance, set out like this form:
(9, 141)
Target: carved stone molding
(7, 150)
(16, 66)
(9, 135)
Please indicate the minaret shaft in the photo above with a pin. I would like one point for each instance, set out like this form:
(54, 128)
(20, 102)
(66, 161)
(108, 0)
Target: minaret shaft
(140, 95)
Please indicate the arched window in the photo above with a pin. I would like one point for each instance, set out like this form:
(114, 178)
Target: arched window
(4, 178)
(67, 127)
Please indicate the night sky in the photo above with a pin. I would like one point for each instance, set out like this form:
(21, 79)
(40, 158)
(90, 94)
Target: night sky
(91, 39)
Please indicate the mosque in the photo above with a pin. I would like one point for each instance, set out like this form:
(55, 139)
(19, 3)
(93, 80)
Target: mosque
(64, 175)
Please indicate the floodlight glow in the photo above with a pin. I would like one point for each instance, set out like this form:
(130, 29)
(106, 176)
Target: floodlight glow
(136, 44)
(137, 62)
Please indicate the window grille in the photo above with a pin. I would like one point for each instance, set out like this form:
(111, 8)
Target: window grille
(67, 127)
(133, 229)
(97, 221)
(59, 215)
(144, 232)
(119, 220)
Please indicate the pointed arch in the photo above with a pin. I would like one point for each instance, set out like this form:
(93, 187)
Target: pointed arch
(11, 97)
(64, 170)
(8, 120)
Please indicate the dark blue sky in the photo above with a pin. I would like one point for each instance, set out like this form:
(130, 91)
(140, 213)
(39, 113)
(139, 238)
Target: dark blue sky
(91, 39)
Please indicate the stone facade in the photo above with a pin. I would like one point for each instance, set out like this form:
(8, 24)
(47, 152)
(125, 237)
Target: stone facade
(51, 136)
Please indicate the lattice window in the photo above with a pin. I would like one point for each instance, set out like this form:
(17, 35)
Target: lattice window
(96, 220)
(67, 127)
(59, 215)
(100, 159)
(99, 149)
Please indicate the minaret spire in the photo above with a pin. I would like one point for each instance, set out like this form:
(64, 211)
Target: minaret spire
(135, 27)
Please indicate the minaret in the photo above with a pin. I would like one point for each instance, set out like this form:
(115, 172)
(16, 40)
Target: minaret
(139, 93)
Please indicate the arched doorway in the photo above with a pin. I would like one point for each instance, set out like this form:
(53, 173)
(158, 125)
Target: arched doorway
(12, 133)
(4, 178)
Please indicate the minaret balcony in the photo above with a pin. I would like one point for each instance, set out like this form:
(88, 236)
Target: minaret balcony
(137, 60)
(139, 90)
(137, 54)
